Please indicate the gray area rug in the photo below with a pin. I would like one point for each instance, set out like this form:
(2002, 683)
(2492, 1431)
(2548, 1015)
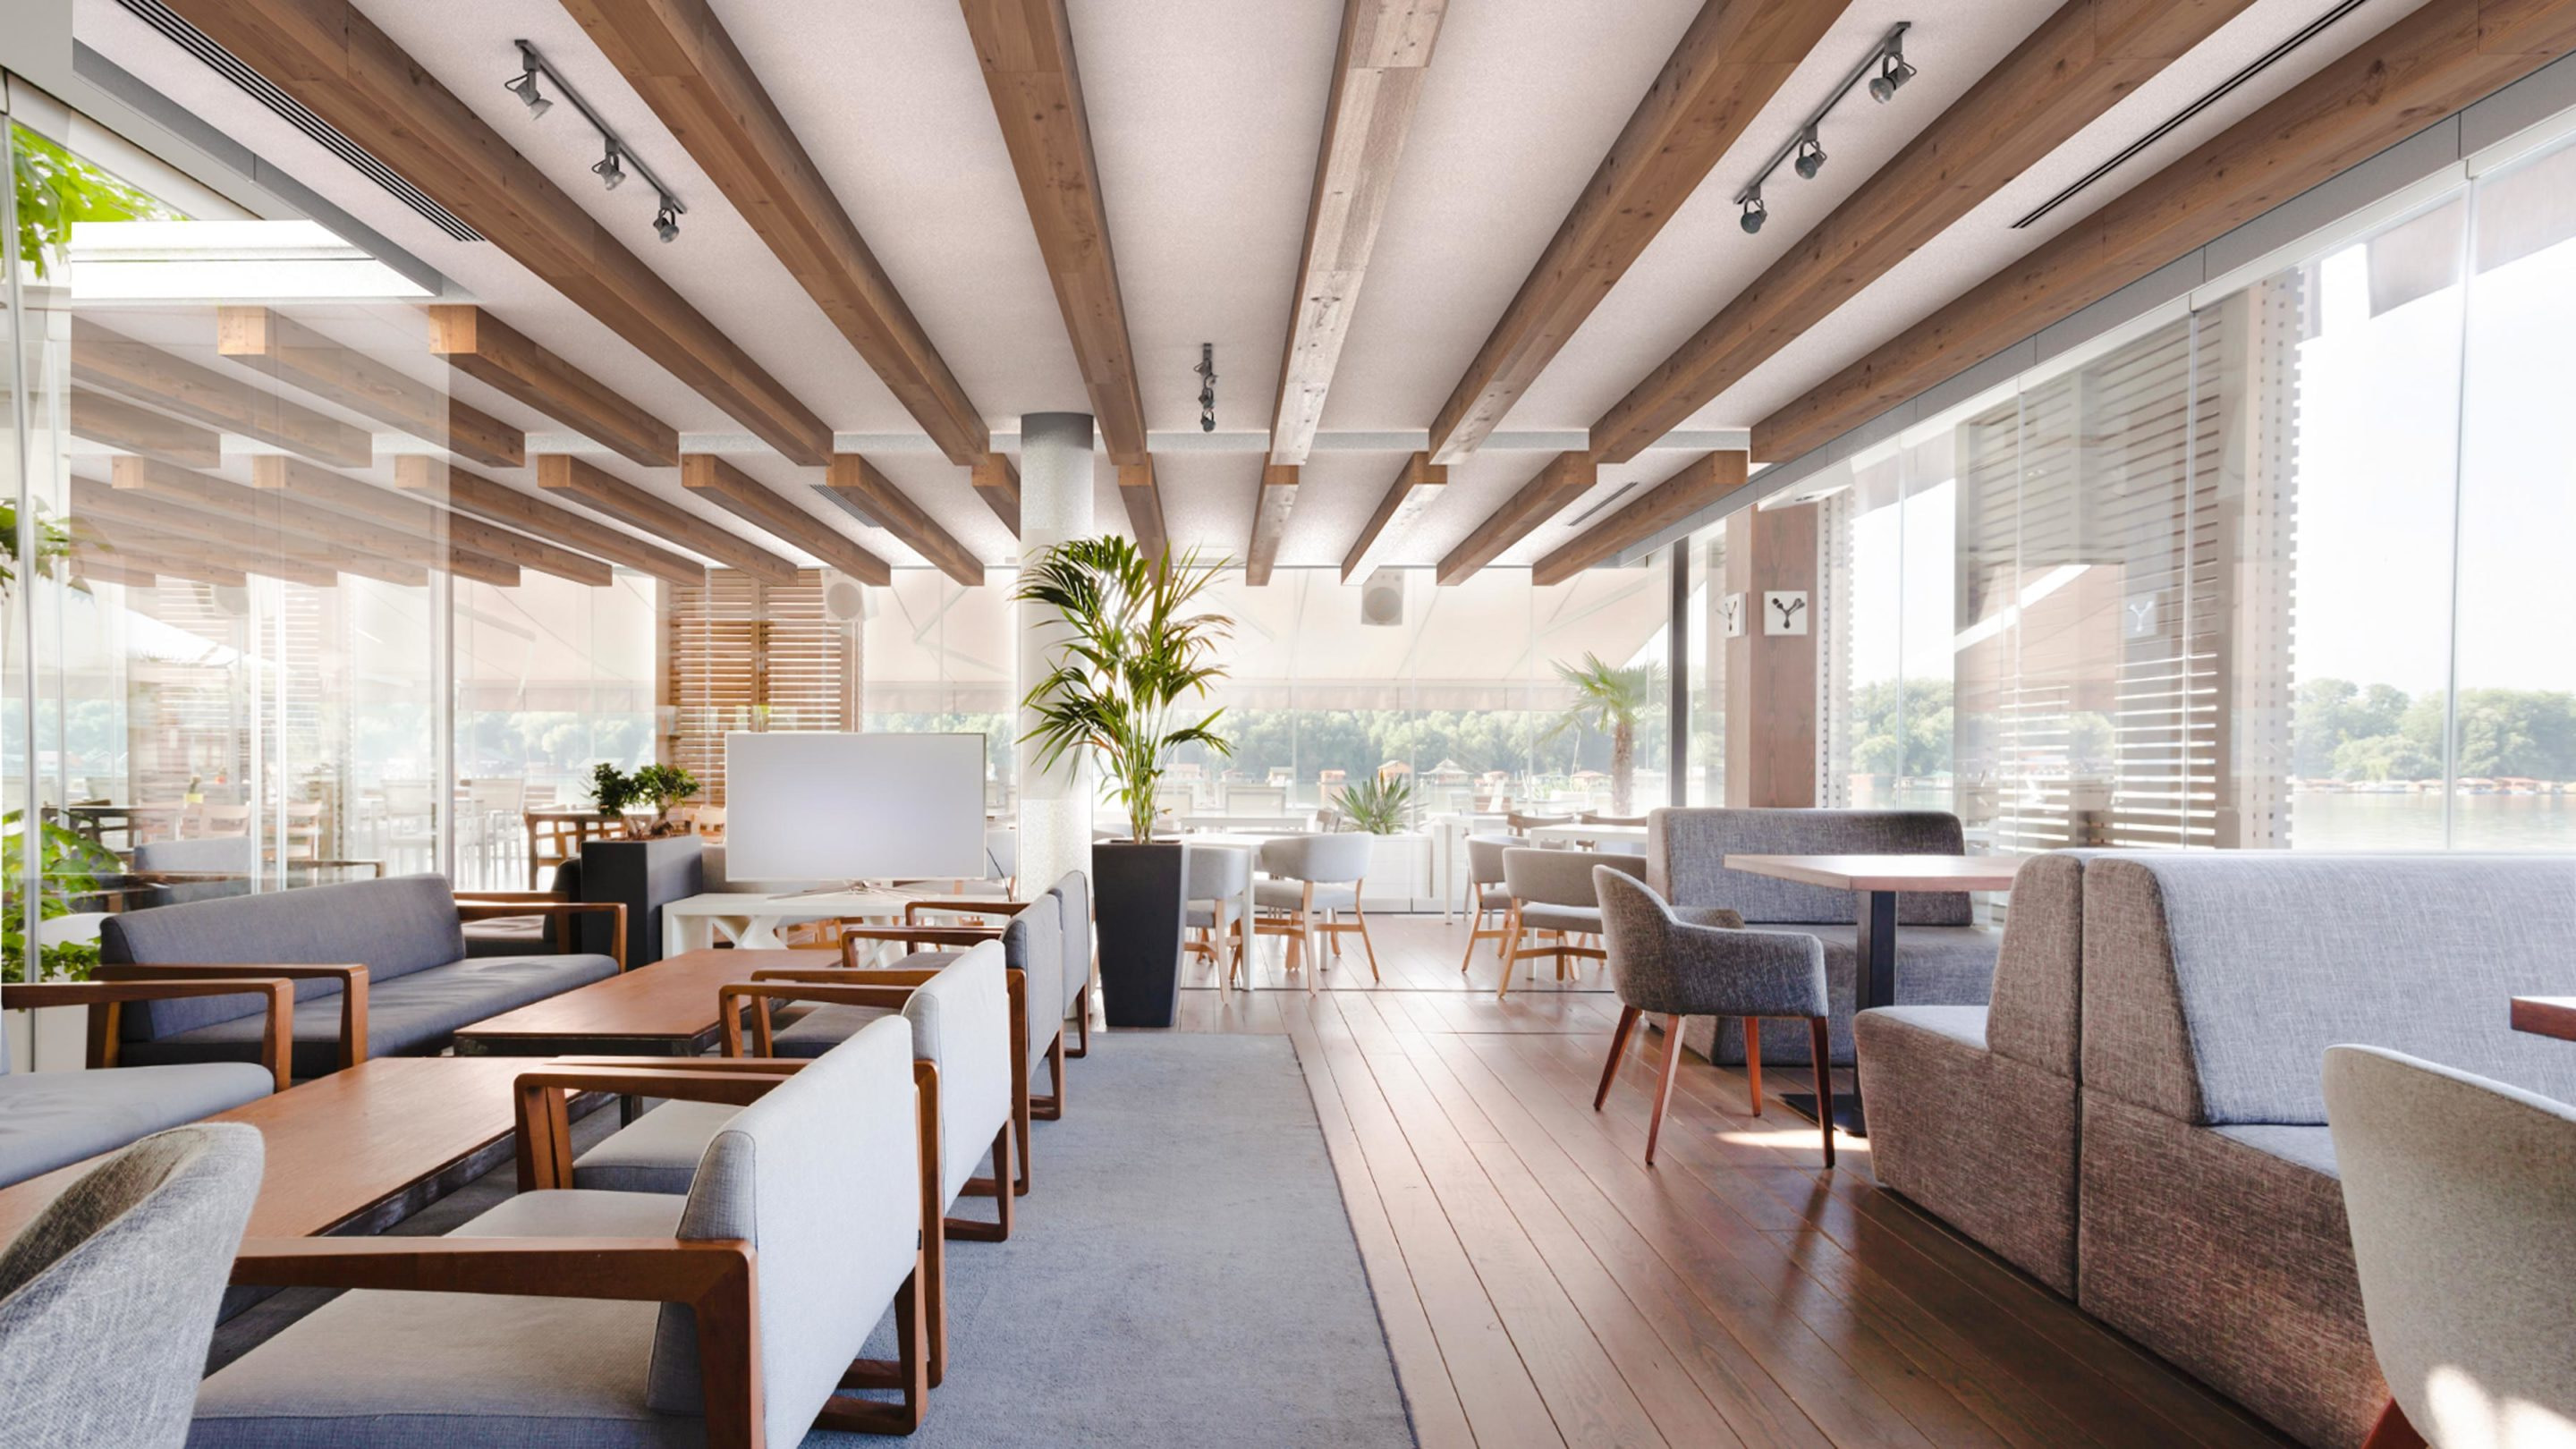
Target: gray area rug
(1182, 1274)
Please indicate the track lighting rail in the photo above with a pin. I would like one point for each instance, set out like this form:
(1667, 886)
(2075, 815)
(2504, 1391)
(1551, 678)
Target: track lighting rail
(618, 157)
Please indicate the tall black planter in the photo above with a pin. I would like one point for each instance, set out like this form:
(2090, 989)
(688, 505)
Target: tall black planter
(1140, 930)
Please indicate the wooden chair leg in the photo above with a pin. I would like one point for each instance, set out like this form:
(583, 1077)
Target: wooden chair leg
(1618, 1048)
(1366, 944)
(1818, 1045)
(2393, 1431)
(910, 1372)
(1753, 1061)
(1475, 933)
(1664, 1089)
(1081, 1027)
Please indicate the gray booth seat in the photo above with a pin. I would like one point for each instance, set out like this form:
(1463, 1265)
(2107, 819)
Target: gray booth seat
(421, 985)
(2211, 1219)
(1972, 1109)
(1942, 956)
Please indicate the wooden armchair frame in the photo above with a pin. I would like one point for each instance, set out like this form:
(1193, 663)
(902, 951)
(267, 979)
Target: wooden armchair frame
(106, 1002)
(353, 999)
(834, 986)
(503, 905)
(542, 1110)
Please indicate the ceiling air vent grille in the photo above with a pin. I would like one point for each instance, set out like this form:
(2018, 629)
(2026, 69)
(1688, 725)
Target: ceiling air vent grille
(197, 43)
(2217, 93)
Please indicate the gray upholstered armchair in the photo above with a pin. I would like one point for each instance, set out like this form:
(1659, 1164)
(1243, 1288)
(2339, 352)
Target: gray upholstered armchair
(108, 1299)
(1675, 969)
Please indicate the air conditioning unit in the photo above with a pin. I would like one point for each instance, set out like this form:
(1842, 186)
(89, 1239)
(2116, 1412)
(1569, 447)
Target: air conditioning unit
(1382, 599)
(846, 601)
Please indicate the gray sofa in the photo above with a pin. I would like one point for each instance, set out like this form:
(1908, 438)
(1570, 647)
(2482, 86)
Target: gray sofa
(1942, 956)
(405, 932)
(2206, 1218)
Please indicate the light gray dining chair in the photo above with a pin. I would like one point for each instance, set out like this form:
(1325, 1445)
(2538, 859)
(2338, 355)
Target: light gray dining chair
(1551, 891)
(108, 1298)
(1486, 898)
(2459, 1191)
(1214, 878)
(1674, 968)
(1310, 873)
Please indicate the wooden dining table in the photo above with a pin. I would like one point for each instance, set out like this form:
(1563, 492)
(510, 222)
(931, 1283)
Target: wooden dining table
(1877, 883)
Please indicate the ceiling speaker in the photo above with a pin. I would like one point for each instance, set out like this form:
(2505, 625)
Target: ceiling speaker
(1382, 599)
(845, 599)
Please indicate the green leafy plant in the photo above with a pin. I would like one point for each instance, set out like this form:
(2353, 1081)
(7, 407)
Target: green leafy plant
(660, 786)
(1609, 700)
(1139, 644)
(71, 865)
(56, 188)
(1378, 805)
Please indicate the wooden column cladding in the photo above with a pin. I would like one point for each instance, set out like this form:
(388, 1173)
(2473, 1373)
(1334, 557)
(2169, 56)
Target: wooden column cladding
(466, 492)
(728, 487)
(282, 348)
(1700, 484)
(859, 483)
(578, 478)
(495, 354)
(1418, 485)
(1771, 678)
(107, 359)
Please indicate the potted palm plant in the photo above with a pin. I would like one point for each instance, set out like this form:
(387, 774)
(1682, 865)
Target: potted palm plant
(1138, 644)
(1609, 700)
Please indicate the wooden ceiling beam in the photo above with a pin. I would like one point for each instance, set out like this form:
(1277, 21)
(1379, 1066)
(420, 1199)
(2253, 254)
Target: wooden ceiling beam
(166, 548)
(324, 489)
(497, 355)
(155, 495)
(466, 492)
(97, 568)
(677, 56)
(2081, 61)
(1026, 50)
(119, 424)
(1566, 477)
(332, 59)
(859, 482)
(728, 487)
(278, 346)
(133, 567)
(1378, 68)
(1700, 484)
(1270, 512)
(282, 521)
(997, 481)
(2426, 65)
(105, 358)
(562, 473)
(1418, 485)
(1730, 62)
(1143, 497)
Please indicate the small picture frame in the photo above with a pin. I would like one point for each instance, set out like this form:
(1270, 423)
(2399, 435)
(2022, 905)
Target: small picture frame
(1784, 611)
(1730, 616)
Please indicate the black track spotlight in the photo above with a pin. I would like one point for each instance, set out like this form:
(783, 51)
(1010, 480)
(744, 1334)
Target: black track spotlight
(1811, 156)
(610, 171)
(666, 223)
(1892, 75)
(525, 88)
(1755, 213)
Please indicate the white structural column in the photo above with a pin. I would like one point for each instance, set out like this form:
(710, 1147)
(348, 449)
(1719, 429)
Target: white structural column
(1055, 505)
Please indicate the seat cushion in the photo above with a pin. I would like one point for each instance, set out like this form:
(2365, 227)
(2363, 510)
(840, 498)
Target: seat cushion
(52, 1119)
(1285, 895)
(1935, 966)
(657, 1152)
(414, 1015)
(1538, 917)
(824, 1028)
(377, 1370)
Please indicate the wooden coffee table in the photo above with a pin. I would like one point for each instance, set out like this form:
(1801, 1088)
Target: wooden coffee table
(667, 1009)
(354, 1151)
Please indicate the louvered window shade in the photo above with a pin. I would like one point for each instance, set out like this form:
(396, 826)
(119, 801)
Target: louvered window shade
(742, 655)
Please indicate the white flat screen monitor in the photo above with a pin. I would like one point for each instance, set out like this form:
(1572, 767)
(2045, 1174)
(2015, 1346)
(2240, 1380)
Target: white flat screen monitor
(809, 807)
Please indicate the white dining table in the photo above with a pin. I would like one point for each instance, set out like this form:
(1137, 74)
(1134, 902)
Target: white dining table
(750, 920)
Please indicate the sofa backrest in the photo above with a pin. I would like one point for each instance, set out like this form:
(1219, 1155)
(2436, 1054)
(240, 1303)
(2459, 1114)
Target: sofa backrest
(2036, 1013)
(2214, 982)
(822, 1176)
(1033, 944)
(1072, 892)
(392, 927)
(961, 1024)
(1686, 854)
